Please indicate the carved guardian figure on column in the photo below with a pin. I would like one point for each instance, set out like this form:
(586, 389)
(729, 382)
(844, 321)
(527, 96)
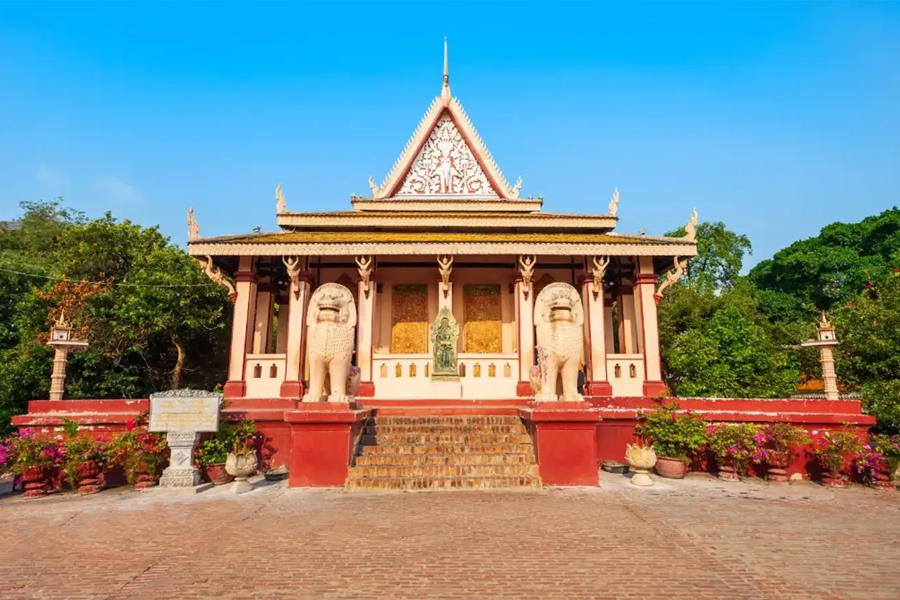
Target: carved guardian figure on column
(331, 329)
(559, 321)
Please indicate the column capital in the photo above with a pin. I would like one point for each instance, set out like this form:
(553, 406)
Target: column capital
(645, 278)
(246, 276)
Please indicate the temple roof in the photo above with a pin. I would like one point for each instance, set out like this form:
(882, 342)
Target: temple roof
(472, 219)
(445, 158)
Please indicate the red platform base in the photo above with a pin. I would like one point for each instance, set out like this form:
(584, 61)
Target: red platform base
(366, 389)
(324, 437)
(523, 390)
(234, 389)
(565, 441)
(292, 389)
(654, 389)
(598, 388)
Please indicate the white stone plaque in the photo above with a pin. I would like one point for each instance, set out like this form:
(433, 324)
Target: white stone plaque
(190, 410)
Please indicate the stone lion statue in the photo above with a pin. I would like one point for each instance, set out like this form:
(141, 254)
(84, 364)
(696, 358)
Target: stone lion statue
(330, 334)
(559, 321)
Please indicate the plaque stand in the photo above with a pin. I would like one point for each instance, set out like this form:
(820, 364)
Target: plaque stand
(181, 472)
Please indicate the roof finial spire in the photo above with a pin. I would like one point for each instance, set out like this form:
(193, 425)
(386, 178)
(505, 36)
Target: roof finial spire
(445, 91)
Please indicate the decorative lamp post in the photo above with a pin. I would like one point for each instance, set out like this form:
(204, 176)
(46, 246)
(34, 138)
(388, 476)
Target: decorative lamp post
(61, 340)
(826, 338)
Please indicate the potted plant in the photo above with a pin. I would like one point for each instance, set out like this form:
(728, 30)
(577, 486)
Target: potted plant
(833, 449)
(85, 460)
(675, 437)
(34, 459)
(140, 453)
(777, 447)
(241, 461)
(212, 453)
(734, 446)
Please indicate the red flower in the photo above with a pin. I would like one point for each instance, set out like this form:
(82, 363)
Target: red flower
(129, 425)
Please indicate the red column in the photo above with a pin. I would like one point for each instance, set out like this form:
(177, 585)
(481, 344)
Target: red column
(242, 327)
(595, 339)
(646, 280)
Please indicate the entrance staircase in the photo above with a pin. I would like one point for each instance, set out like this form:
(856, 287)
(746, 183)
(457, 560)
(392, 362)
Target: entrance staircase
(435, 452)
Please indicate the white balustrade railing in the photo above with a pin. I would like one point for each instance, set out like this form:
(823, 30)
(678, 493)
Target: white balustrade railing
(481, 376)
(264, 374)
(626, 374)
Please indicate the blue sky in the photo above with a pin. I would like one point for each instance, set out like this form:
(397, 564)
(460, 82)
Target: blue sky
(775, 118)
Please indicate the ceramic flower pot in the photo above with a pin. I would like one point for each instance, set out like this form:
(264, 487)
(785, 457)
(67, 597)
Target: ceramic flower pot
(883, 475)
(835, 480)
(727, 470)
(241, 466)
(144, 479)
(89, 481)
(217, 474)
(641, 459)
(778, 462)
(670, 468)
(34, 481)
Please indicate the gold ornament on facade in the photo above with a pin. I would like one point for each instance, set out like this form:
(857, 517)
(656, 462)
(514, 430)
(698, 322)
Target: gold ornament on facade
(409, 319)
(364, 266)
(193, 228)
(526, 268)
(482, 329)
(445, 267)
(598, 270)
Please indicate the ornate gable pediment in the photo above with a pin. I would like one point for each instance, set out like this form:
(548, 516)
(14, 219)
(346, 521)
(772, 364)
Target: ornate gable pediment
(445, 158)
(446, 165)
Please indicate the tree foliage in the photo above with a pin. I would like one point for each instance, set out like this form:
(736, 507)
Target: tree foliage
(153, 319)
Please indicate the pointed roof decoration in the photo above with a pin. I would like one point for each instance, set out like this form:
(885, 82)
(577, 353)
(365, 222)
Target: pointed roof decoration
(445, 158)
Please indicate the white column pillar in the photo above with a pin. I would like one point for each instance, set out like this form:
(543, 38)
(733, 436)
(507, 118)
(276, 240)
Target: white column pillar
(365, 326)
(646, 280)
(58, 376)
(828, 375)
(525, 323)
(262, 323)
(241, 327)
(298, 298)
(595, 339)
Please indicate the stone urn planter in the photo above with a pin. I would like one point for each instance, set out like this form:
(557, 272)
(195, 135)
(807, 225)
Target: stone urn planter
(641, 459)
(241, 467)
(727, 470)
(34, 481)
(778, 462)
(217, 474)
(89, 480)
(671, 468)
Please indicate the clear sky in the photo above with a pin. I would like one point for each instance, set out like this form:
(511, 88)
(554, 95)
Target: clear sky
(775, 118)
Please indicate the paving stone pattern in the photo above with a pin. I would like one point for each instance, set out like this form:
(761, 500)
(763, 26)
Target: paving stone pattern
(441, 452)
(697, 539)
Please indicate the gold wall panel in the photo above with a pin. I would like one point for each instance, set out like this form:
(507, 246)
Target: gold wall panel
(409, 319)
(482, 330)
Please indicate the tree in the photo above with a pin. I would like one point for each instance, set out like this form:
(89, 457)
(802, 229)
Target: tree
(154, 320)
(830, 269)
(720, 256)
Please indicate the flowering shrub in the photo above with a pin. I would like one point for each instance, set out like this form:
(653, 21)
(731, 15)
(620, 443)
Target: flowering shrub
(79, 450)
(778, 438)
(138, 450)
(734, 444)
(236, 434)
(867, 464)
(889, 447)
(834, 447)
(27, 449)
(673, 435)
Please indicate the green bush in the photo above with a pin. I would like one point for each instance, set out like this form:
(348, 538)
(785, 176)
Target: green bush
(672, 433)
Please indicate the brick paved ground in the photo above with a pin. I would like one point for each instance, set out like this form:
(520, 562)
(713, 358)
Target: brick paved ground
(698, 538)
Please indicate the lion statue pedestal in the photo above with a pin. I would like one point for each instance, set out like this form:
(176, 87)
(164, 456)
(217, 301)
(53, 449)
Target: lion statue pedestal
(559, 321)
(330, 333)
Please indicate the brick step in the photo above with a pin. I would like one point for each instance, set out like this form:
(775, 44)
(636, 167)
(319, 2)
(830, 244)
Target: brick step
(451, 428)
(443, 483)
(442, 471)
(449, 420)
(374, 460)
(444, 449)
(444, 438)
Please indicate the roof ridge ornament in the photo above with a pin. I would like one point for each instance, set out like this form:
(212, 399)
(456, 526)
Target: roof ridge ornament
(193, 228)
(614, 203)
(279, 199)
(691, 228)
(445, 88)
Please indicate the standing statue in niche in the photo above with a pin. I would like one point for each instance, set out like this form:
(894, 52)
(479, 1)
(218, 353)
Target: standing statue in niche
(330, 333)
(559, 321)
(444, 334)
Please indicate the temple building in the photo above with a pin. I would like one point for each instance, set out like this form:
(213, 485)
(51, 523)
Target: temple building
(444, 230)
